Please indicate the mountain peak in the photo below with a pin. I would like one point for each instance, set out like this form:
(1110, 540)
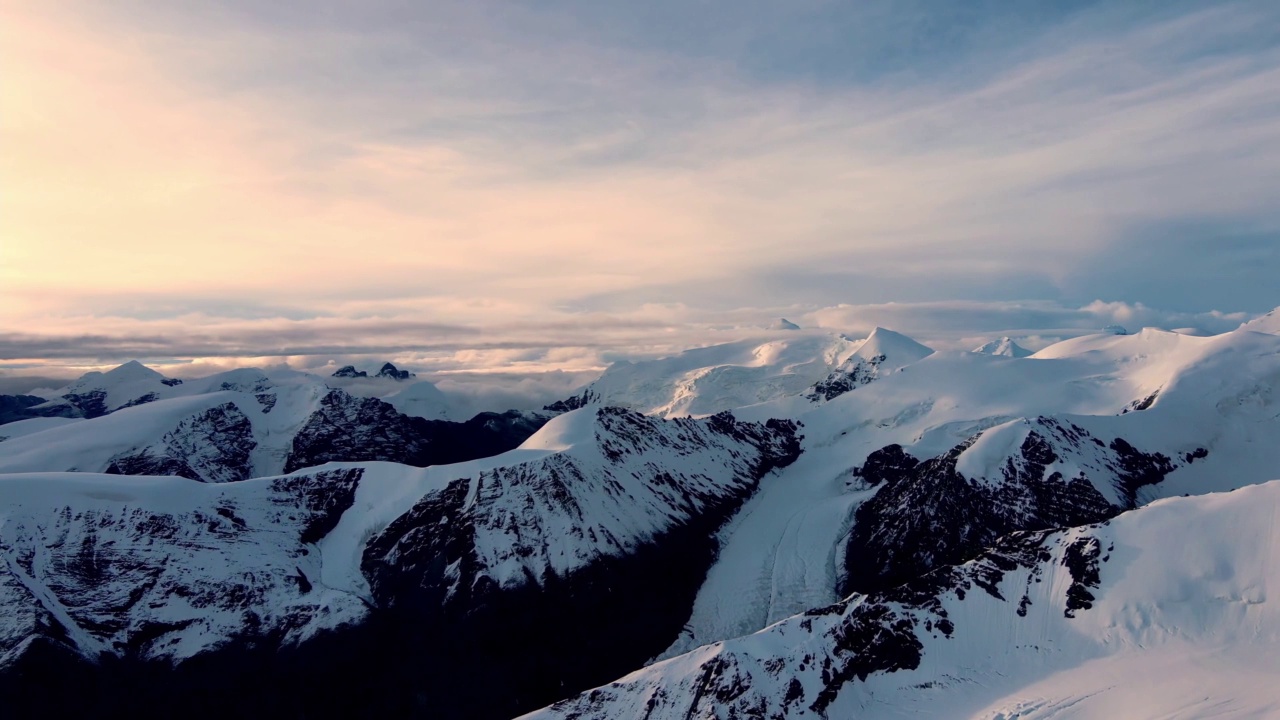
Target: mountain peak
(389, 371)
(1269, 323)
(132, 370)
(783, 324)
(1005, 346)
(349, 371)
(883, 341)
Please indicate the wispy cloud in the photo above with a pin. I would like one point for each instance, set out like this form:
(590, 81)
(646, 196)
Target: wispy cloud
(449, 178)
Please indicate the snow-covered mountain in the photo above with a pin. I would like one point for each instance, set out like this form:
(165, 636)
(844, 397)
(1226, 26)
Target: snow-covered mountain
(244, 423)
(874, 522)
(1004, 346)
(1161, 612)
(96, 393)
(933, 461)
(704, 381)
(580, 550)
(882, 352)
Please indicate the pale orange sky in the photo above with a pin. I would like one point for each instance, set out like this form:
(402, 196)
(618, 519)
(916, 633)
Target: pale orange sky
(195, 173)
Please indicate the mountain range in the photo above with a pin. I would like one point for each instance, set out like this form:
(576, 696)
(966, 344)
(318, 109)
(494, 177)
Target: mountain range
(809, 526)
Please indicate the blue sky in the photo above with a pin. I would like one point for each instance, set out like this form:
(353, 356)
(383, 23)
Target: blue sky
(564, 183)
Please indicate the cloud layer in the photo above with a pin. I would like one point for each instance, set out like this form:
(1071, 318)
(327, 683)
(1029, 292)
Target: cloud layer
(481, 185)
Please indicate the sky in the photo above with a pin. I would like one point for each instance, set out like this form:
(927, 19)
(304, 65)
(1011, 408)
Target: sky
(493, 187)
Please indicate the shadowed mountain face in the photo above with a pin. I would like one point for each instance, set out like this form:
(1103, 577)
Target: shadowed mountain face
(235, 431)
(948, 525)
(925, 514)
(23, 407)
(538, 577)
(351, 429)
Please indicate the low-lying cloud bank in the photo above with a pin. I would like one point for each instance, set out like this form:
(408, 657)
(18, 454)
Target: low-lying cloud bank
(568, 342)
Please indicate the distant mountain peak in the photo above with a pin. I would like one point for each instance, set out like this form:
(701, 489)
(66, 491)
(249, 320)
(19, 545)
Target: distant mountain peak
(132, 370)
(883, 341)
(783, 324)
(387, 370)
(349, 371)
(1115, 330)
(1005, 346)
(390, 371)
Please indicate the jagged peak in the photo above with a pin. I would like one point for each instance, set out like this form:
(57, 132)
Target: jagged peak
(391, 371)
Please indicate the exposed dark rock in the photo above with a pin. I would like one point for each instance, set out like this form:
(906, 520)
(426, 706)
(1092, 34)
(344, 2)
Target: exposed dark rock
(212, 446)
(926, 514)
(1137, 469)
(1081, 560)
(140, 400)
(551, 633)
(20, 407)
(349, 371)
(1143, 404)
(389, 371)
(440, 633)
(572, 403)
(888, 464)
(89, 404)
(351, 429)
(854, 373)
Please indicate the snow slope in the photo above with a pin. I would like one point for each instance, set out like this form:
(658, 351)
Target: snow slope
(1161, 612)
(241, 424)
(964, 417)
(725, 545)
(708, 380)
(704, 381)
(598, 527)
(214, 436)
(881, 353)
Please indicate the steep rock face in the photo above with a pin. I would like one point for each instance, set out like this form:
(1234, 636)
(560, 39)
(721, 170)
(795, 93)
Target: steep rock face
(20, 407)
(390, 371)
(108, 581)
(572, 403)
(567, 571)
(212, 446)
(852, 374)
(928, 513)
(89, 404)
(540, 577)
(351, 429)
(883, 352)
(1149, 588)
(349, 371)
(818, 653)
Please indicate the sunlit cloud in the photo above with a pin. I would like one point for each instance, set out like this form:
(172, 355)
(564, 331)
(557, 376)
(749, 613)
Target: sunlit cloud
(480, 186)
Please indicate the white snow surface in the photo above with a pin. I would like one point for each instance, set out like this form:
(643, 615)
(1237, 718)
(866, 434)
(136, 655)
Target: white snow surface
(782, 553)
(8, 431)
(708, 380)
(1004, 346)
(1181, 625)
(580, 489)
(202, 538)
(91, 445)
